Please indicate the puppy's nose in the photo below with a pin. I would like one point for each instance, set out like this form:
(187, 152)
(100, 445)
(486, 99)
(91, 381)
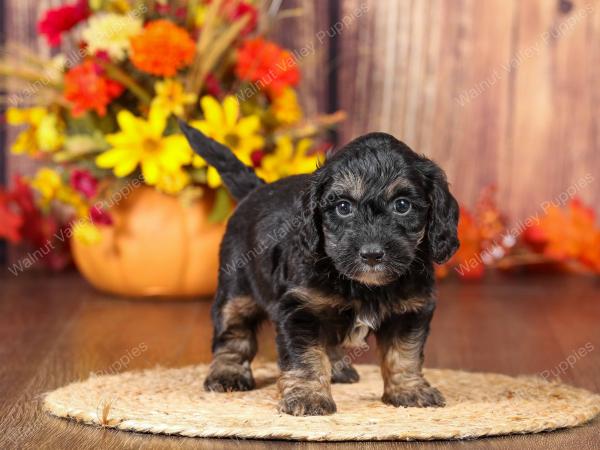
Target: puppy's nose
(371, 254)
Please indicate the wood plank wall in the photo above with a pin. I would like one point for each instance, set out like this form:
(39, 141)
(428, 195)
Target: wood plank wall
(497, 91)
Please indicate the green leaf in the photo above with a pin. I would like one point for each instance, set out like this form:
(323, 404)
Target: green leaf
(80, 145)
(222, 207)
(198, 175)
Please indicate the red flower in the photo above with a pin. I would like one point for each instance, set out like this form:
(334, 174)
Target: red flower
(256, 157)
(268, 65)
(22, 221)
(36, 228)
(20, 218)
(99, 216)
(58, 20)
(236, 10)
(10, 221)
(212, 86)
(87, 88)
(179, 12)
(83, 181)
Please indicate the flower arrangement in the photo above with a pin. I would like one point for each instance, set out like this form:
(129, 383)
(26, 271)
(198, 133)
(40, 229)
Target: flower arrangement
(104, 111)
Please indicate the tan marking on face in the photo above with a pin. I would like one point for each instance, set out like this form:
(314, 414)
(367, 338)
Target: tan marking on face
(373, 278)
(396, 185)
(318, 301)
(351, 184)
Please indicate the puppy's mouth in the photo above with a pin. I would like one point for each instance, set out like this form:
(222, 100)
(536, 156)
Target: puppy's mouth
(377, 275)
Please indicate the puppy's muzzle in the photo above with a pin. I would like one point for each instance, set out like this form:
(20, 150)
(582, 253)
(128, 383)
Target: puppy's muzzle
(371, 254)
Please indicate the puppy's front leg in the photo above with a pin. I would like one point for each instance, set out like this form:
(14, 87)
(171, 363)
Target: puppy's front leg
(401, 339)
(305, 382)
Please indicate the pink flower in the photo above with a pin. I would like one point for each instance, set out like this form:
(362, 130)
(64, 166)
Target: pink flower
(99, 216)
(83, 182)
(58, 20)
(212, 85)
(166, 10)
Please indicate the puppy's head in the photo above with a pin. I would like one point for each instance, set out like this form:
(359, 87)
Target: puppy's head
(376, 207)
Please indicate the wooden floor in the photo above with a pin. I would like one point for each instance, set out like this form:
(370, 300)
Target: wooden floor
(57, 330)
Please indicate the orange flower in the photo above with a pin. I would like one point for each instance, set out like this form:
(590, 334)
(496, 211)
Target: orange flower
(568, 233)
(162, 48)
(87, 88)
(591, 253)
(466, 260)
(268, 65)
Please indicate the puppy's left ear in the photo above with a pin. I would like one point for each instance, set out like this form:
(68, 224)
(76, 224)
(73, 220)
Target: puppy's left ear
(443, 215)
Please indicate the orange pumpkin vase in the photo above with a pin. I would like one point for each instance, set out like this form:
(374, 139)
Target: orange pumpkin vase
(158, 246)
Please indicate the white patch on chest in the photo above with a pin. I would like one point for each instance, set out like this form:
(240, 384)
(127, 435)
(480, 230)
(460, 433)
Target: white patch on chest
(360, 330)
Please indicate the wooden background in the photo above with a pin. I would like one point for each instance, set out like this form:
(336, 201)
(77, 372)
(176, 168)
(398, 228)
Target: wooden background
(532, 126)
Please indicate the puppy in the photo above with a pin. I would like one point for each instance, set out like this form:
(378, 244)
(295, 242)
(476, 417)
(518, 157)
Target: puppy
(330, 257)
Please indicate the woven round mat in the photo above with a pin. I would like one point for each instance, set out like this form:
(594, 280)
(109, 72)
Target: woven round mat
(172, 401)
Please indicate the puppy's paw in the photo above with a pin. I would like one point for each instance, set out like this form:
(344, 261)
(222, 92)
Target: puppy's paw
(228, 378)
(307, 404)
(421, 396)
(344, 374)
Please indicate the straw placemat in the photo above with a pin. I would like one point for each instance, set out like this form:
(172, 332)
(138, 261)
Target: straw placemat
(172, 401)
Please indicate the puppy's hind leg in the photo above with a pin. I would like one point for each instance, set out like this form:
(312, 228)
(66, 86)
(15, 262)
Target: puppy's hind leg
(236, 319)
(341, 368)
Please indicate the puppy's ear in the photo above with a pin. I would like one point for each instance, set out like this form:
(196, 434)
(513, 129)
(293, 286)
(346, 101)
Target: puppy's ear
(443, 216)
(309, 232)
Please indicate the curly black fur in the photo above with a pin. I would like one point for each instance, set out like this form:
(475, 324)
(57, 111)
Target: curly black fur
(292, 254)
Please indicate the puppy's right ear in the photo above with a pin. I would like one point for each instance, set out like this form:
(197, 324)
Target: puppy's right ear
(309, 233)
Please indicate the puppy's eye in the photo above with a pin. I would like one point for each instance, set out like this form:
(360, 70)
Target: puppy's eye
(402, 206)
(343, 208)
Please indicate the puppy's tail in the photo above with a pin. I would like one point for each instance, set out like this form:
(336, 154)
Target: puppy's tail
(239, 179)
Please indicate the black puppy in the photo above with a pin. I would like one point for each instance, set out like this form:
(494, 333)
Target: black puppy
(330, 257)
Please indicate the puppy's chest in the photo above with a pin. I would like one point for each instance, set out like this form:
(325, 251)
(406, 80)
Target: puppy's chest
(359, 330)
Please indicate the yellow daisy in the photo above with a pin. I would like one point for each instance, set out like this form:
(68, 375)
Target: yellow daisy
(222, 122)
(45, 132)
(213, 179)
(285, 107)
(69, 196)
(171, 96)
(200, 15)
(141, 143)
(287, 160)
(86, 232)
(173, 182)
(47, 182)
